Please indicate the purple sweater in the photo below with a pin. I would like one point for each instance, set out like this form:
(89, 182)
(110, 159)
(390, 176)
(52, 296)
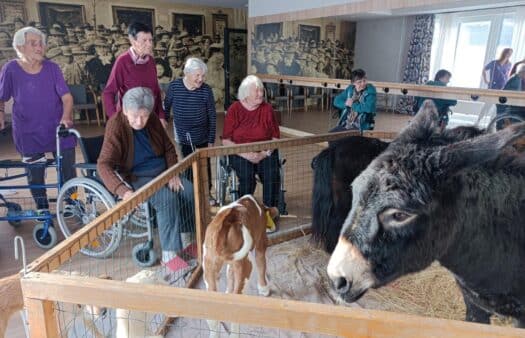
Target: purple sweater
(126, 75)
(37, 106)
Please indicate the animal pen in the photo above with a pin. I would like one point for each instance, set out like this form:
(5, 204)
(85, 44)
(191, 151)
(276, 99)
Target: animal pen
(70, 293)
(64, 287)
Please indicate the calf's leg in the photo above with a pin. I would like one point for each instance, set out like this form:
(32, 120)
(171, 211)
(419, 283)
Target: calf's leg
(260, 261)
(211, 269)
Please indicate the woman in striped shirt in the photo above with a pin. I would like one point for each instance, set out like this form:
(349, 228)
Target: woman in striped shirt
(193, 106)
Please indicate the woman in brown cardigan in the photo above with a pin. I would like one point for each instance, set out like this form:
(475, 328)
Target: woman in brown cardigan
(136, 144)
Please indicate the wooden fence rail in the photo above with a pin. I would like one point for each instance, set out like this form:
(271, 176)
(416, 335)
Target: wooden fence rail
(468, 94)
(42, 288)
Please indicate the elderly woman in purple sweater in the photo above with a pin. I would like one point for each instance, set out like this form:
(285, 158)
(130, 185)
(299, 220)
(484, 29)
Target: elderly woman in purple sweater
(498, 70)
(41, 101)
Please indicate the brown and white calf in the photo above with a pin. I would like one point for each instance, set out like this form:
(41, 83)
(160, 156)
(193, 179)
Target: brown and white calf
(237, 229)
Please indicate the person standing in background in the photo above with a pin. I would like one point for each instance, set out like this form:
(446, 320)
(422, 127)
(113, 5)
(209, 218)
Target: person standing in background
(134, 68)
(41, 102)
(498, 70)
(193, 106)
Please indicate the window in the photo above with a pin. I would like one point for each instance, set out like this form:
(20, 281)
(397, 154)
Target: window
(464, 42)
(505, 37)
(470, 53)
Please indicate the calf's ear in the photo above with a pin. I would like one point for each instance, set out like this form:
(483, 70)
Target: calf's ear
(425, 124)
(485, 148)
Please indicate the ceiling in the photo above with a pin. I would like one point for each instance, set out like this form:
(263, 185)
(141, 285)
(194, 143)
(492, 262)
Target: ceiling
(466, 5)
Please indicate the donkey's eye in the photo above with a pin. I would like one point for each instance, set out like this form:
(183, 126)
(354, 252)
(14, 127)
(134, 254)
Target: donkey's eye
(400, 216)
(395, 218)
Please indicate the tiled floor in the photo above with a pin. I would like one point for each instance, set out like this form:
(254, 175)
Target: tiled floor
(313, 121)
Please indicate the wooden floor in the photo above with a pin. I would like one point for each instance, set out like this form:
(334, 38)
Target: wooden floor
(313, 121)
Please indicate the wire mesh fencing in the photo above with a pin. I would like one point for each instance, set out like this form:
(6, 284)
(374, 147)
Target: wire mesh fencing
(153, 238)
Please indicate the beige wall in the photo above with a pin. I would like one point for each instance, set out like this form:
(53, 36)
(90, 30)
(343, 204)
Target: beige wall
(163, 11)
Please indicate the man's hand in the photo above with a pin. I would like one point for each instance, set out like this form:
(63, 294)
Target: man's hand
(349, 102)
(127, 195)
(164, 123)
(175, 184)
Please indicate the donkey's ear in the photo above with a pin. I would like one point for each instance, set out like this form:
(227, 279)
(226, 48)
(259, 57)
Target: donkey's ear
(486, 148)
(423, 125)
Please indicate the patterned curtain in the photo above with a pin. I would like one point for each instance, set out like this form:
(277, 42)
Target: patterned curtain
(417, 66)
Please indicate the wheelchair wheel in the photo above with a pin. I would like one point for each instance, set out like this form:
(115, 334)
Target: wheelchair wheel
(45, 239)
(143, 255)
(79, 202)
(503, 121)
(12, 210)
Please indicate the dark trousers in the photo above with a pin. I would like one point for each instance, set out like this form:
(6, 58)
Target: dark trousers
(268, 172)
(175, 212)
(186, 150)
(36, 174)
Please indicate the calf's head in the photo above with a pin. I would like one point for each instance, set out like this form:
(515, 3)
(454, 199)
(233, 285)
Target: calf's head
(389, 230)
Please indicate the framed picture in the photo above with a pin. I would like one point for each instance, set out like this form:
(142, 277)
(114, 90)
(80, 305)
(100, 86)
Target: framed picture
(330, 32)
(309, 33)
(266, 30)
(127, 15)
(193, 24)
(220, 22)
(10, 9)
(51, 13)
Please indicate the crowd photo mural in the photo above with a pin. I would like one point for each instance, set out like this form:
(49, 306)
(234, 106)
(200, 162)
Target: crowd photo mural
(86, 52)
(320, 48)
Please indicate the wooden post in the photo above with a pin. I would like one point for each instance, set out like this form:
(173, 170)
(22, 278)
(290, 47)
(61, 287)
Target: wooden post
(41, 318)
(200, 190)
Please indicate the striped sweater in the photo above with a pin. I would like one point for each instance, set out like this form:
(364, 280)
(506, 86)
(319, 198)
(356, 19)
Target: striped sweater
(194, 115)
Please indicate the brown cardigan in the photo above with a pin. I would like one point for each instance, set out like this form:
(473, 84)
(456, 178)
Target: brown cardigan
(117, 150)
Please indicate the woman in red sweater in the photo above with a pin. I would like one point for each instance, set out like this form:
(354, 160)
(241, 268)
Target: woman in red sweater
(252, 120)
(134, 68)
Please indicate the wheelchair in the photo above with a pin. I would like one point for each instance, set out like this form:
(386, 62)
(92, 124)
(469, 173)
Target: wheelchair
(505, 116)
(227, 184)
(84, 198)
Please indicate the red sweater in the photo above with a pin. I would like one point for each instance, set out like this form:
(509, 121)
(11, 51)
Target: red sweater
(126, 75)
(245, 126)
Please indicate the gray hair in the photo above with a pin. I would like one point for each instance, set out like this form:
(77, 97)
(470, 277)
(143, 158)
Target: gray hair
(194, 64)
(138, 98)
(520, 68)
(19, 39)
(247, 82)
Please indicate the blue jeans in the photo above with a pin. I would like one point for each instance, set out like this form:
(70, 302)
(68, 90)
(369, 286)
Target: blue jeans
(175, 212)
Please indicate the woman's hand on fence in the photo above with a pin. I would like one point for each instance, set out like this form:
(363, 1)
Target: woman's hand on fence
(175, 184)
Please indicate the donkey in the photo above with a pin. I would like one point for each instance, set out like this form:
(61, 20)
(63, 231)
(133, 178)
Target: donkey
(334, 170)
(460, 203)
(337, 166)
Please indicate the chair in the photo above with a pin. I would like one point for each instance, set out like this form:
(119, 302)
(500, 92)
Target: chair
(80, 101)
(315, 95)
(297, 93)
(279, 94)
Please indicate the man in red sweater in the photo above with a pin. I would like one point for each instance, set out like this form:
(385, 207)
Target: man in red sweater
(134, 68)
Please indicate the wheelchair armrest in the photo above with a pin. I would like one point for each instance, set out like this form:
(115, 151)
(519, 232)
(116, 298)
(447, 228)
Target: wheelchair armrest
(86, 166)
